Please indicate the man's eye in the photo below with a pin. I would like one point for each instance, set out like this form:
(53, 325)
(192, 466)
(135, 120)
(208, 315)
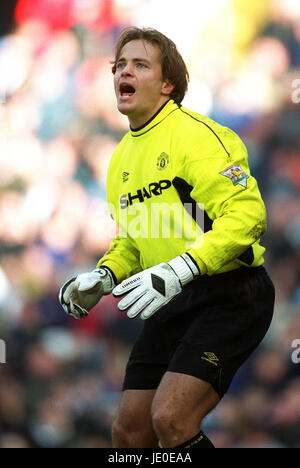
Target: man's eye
(141, 65)
(120, 65)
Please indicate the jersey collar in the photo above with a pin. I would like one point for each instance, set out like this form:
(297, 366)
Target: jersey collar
(162, 113)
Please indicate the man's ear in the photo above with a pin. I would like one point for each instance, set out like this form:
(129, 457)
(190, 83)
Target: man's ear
(167, 88)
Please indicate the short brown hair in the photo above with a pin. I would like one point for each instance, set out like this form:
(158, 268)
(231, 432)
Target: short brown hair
(173, 67)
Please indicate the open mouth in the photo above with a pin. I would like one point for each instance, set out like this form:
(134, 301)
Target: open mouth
(126, 90)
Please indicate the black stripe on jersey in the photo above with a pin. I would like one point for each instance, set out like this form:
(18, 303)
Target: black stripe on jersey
(204, 123)
(184, 191)
(247, 257)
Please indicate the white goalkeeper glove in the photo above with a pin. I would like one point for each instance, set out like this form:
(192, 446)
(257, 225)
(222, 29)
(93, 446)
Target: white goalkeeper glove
(150, 290)
(81, 293)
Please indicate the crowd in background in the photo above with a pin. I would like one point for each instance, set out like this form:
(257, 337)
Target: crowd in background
(58, 128)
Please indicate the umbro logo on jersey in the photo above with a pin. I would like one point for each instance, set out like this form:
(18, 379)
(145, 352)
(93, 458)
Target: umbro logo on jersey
(211, 358)
(155, 188)
(125, 176)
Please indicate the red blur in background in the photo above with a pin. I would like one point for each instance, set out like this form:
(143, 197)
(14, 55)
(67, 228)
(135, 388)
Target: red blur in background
(64, 14)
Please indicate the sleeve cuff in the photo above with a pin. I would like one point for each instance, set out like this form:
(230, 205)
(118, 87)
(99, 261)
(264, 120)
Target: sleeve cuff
(118, 273)
(199, 263)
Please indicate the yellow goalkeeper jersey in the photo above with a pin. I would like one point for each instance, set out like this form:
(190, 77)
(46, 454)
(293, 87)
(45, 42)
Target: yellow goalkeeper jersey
(181, 183)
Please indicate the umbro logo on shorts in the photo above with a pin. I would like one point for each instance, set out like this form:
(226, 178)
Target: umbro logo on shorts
(211, 358)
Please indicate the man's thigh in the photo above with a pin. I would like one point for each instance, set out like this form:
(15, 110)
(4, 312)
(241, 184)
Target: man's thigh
(133, 419)
(183, 399)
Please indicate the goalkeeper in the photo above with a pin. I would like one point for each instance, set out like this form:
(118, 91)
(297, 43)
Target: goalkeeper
(187, 259)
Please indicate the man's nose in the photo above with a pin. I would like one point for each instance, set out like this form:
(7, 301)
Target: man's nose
(127, 70)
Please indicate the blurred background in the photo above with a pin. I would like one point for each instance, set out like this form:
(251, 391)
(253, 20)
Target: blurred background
(58, 128)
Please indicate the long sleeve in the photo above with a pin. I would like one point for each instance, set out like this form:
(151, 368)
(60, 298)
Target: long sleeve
(220, 180)
(122, 258)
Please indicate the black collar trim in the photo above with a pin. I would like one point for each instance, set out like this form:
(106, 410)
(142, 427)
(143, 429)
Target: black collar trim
(150, 120)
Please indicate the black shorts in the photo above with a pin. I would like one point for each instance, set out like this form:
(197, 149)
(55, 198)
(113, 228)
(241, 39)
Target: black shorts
(208, 331)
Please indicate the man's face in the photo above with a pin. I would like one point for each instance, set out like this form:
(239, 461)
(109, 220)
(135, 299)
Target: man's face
(138, 82)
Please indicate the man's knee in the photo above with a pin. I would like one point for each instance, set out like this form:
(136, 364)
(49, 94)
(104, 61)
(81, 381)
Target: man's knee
(179, 405)
(125, 423)
(120, 433)
(168, 426)
(163, 421)
(132, 432)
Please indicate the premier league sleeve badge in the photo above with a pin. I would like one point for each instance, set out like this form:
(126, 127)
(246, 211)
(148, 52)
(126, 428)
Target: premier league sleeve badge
(236, 174)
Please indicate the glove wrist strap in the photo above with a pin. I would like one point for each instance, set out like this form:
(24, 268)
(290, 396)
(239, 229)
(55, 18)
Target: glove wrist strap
(192, 264)
(184, 268)
(107, 279)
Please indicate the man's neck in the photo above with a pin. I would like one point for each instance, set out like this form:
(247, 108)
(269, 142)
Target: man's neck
(137, 123)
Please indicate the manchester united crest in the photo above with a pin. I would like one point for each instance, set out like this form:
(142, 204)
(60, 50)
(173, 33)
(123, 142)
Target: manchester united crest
(162, 161)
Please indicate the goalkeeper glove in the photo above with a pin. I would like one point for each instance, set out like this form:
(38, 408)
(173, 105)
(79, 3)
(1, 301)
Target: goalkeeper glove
(153, 288)
(81, 293)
